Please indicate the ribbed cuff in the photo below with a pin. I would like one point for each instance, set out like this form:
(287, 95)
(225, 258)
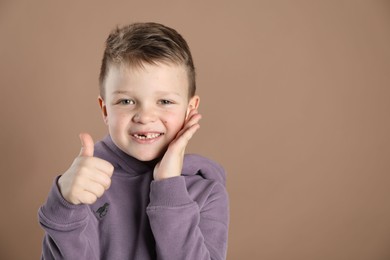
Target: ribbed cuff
(169, 192)
(58, 210)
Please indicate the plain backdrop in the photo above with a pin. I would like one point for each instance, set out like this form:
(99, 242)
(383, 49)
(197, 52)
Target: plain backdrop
(295, 101)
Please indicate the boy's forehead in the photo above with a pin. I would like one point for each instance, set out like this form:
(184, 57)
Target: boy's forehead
(122, 71)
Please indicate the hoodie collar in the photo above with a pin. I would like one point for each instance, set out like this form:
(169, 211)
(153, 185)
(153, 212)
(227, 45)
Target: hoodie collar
(192, 165)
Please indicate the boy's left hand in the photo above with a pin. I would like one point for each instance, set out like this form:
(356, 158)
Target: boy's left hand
(172, 162)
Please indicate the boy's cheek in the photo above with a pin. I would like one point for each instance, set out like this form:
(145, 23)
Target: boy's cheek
(176, 120)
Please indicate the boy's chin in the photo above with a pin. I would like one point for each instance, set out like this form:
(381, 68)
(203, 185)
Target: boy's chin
(146, 157)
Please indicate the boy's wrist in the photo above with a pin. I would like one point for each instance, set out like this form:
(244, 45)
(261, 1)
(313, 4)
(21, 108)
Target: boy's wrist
(60, 211)
(169, 192)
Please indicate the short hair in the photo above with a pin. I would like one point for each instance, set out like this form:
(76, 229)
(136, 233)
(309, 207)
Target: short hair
(150, 43)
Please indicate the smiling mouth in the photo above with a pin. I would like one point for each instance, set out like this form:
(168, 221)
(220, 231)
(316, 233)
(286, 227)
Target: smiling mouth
(147, 136)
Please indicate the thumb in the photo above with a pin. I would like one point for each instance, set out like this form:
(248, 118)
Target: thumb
(87, 145)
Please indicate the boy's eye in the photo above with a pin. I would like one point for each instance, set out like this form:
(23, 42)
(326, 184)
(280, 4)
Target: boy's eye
(165, 102)
(126, 102)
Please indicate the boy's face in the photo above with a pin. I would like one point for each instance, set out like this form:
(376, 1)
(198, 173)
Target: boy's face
(144, 108)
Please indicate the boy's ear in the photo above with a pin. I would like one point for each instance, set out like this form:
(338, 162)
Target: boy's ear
(103, 108)
(193, 104)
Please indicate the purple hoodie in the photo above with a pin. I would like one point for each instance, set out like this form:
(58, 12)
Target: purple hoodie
(184, 217)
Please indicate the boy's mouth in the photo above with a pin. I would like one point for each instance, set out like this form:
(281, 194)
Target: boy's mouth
(147, 136)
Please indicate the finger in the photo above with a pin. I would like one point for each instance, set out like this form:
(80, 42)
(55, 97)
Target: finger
(87, 145)
(194, 119)
(95, 188)
(185, 135)
(100, 178)
(88, 197)
(101, 165)
(188, 133)
(191, 114)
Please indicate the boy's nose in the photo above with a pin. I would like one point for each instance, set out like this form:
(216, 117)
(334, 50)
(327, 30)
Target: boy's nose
(144, 116)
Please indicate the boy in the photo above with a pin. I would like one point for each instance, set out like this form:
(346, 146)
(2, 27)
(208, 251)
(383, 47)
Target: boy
(135, 195)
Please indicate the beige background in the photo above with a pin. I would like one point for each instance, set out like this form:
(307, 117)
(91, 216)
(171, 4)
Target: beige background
(295, 98)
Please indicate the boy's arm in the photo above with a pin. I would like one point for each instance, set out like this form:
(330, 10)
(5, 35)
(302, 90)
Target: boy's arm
(70, 230)
(181, 229)
(69, 233)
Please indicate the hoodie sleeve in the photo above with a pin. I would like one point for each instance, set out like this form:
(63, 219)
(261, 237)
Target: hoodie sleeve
(69, 232)
(184, 228)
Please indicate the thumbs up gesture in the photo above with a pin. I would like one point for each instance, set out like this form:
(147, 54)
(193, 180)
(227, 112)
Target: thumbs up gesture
(88, 177)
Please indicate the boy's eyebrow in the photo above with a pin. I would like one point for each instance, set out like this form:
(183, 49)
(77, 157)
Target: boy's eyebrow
(121, 92)
(167, 92)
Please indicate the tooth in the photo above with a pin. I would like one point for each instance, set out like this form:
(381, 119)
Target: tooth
(147, 136)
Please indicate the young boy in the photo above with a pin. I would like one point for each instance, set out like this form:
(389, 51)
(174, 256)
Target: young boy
(135, 195)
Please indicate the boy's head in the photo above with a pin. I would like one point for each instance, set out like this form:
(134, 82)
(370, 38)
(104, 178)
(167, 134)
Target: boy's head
(146, 43)
(147, 88)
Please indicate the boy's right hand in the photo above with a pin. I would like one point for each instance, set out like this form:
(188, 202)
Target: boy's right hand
(88, 177)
